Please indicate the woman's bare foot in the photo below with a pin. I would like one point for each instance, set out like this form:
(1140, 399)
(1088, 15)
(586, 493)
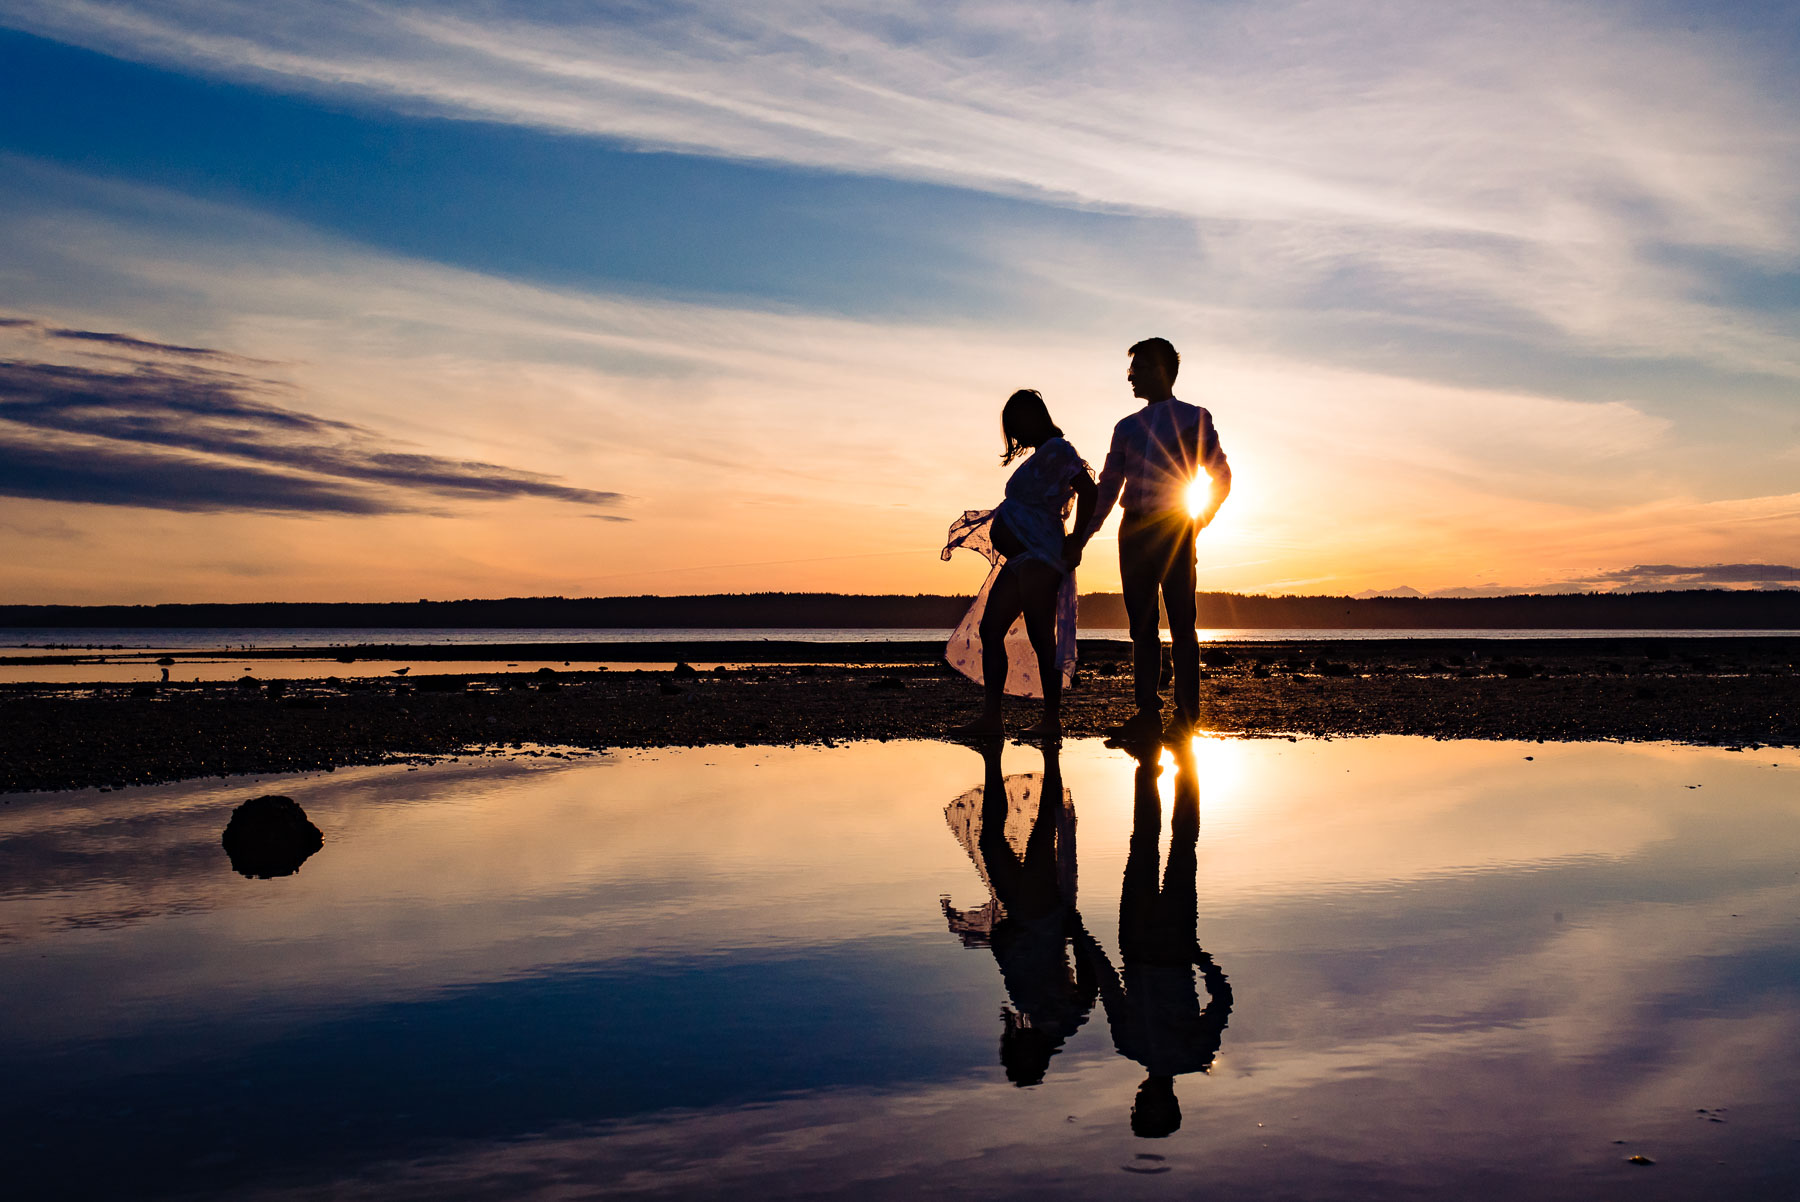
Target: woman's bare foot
(1049, 728)
(982, 727)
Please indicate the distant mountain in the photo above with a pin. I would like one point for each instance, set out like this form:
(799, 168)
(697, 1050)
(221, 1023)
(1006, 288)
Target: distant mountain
(1404, 590)
(1697, 609)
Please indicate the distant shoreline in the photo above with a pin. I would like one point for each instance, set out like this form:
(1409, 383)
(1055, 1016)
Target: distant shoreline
(1687, 609)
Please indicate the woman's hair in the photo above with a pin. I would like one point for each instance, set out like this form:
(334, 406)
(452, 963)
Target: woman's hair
(1025, 421)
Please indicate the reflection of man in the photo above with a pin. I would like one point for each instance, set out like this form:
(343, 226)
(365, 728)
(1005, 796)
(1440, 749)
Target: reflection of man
(1152, 1006)
(1155, 455)
(1032, 911)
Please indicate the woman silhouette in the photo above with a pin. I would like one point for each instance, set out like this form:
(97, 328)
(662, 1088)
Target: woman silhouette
(1020, 833)
(1033, 576)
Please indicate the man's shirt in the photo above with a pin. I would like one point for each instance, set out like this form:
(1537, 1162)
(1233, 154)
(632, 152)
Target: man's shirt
(1155, 454)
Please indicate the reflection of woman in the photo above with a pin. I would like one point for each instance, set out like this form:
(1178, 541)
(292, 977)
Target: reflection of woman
(1034, 572)
(1030, 913)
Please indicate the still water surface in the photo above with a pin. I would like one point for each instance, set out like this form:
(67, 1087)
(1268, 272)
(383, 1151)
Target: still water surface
(1352, 968)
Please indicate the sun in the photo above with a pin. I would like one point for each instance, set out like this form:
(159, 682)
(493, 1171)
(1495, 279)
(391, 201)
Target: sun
(1198, 490)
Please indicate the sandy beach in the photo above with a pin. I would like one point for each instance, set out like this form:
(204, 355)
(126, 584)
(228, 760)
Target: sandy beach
(1737, 692)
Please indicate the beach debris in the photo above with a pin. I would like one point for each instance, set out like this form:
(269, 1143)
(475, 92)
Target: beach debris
(270, 836)
(167, 660)
(684, 669)
(1217, 657)
(249, 682)
(1640, 1158)
(546, 672)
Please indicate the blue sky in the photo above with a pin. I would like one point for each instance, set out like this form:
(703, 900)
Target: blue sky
(1480, 298)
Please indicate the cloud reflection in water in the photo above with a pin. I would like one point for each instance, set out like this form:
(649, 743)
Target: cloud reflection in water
(719, 971)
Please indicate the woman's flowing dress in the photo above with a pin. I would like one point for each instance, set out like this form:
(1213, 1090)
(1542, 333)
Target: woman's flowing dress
(1038, 496)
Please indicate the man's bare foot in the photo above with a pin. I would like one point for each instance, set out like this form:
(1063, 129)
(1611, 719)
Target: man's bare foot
(981, 728)
(1049, 728)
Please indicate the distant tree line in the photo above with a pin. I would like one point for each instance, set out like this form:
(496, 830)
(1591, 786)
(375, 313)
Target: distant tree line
(1701, 609)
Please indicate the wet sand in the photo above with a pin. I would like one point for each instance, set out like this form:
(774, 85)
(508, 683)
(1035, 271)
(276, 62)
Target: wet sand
(1738, 692)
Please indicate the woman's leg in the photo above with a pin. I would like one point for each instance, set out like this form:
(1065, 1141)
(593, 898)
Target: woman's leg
(1003, 605)
(1038, 586)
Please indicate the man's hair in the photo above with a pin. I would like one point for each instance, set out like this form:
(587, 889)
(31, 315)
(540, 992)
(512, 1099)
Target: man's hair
(1163, 349)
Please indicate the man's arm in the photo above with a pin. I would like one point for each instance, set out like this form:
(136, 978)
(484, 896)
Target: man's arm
(1212, 458)
(1112, 480)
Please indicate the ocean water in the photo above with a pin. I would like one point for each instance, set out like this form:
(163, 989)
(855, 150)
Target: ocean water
(15, 638)
(128, 656)
(1364, 968)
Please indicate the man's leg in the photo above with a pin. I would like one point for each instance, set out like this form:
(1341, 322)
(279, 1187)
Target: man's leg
(1140, 575)
(1139, 894)
(1178, 598)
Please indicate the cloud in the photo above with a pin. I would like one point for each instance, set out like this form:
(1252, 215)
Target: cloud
(1668, 575)
(1346, 480)
(1643, 577)
(1530, 166)
(194, 438)
(105, 475)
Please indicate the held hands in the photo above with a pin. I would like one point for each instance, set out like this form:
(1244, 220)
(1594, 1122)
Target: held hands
(1073, 545)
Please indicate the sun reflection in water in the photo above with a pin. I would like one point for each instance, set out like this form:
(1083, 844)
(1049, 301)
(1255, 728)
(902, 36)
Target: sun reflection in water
(1221, 765)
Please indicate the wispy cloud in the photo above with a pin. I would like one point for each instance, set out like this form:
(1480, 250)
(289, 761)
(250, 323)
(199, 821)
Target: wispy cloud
(1669, 575)
(188, 437)
(124, 342)
(1531, 163)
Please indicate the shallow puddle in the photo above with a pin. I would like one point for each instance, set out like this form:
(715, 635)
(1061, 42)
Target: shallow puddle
(1351, 968)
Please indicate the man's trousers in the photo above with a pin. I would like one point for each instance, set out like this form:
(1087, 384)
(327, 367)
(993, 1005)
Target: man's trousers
(1156, 556)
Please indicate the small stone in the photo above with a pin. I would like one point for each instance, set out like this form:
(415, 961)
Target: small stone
(1639, 1159)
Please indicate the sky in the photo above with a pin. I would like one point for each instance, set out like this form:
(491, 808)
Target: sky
(358, 300)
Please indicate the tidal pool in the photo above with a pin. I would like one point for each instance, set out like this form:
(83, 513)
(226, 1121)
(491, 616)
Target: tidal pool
(1378, 968)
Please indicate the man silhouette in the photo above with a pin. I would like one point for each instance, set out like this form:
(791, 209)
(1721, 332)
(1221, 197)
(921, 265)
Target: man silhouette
(1155, 455)
(1152, 1005)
